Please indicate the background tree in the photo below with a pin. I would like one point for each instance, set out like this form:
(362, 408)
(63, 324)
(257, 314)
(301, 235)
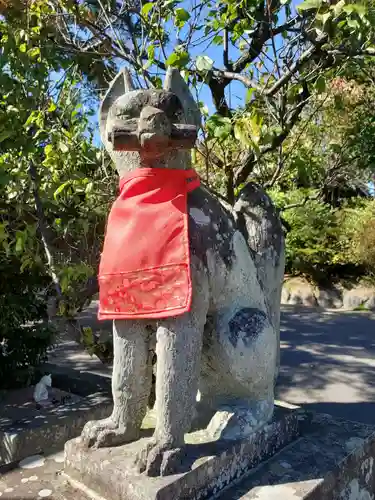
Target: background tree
(55, 188)
(275, 56)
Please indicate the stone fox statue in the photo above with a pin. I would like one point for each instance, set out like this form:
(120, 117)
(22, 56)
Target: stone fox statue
(226, 347)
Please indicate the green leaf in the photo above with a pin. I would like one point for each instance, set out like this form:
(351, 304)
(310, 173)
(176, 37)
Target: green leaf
(337, 9)
(147, 7)
(249, 95)
(20, 241)
(310, 4)
(34, 52)
(204, 63)
(324, 17)
(353, 23)
(178, 59)
(360, 9)
(52, 107)
(30, 119)
(151, 52)
(320, 84)
(5, 134)
(23, 47)
(219, 126)
(181, 15)
(63, 147)
(48, 149)
(61, 188)
(217, 40)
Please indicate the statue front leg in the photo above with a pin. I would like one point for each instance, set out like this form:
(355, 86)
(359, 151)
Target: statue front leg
(178, 349)
(131, 384)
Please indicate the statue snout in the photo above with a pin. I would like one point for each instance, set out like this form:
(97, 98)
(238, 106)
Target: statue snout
(154, 129)
(152, 132)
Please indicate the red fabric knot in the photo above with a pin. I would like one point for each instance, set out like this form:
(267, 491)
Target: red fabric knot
(144, 268)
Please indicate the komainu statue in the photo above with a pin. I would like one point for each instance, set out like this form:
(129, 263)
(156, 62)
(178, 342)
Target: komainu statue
(182, 270)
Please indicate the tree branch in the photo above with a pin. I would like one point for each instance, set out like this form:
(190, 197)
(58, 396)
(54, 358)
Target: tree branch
(217, 87)
(229, 75)
(262, 34)
(226, 50)
(301, 203)
(250, 160)
(43, 229)
(305, 57)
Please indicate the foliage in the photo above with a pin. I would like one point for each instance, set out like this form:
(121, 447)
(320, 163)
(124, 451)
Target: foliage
(331, 148)
(357, 234)
(275, 56)
(55, 185)
(311, 243)
(324, 241)
(24, 333)
(303, 121)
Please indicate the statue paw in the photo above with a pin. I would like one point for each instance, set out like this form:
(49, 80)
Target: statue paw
(158, 459)
(105, 433)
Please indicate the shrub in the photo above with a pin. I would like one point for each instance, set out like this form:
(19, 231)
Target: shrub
(24, 331)
(325, 242)
(357, 236)
(311, 242)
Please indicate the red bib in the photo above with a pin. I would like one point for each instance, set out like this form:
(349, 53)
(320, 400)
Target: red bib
(144, 269)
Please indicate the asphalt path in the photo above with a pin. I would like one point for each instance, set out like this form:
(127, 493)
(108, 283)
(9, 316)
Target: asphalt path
(327, 360)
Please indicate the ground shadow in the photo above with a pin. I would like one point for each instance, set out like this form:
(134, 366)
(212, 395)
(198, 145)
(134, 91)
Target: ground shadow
(328, 362)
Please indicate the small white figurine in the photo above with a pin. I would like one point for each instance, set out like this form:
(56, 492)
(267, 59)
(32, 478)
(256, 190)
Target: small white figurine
(41, 389)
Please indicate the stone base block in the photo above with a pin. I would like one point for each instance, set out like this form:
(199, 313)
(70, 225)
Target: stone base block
(333, 460)
(208, 466)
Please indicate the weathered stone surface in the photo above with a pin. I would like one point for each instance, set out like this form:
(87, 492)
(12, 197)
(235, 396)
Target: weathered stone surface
(298, 291)
(334, 460)
(359, 297)
(328, 298)
(25, 430)
(227, 344)
(207, 466)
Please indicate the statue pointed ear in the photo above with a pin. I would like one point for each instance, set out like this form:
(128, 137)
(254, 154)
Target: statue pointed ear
(175, 83)
(121, 84)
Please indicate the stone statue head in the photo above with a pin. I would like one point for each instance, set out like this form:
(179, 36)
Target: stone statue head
(46, 380)
(149, 127)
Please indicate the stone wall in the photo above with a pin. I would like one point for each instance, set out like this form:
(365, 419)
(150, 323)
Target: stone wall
(298, 291)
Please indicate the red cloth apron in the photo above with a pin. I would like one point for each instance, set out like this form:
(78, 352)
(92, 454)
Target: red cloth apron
(144, 269)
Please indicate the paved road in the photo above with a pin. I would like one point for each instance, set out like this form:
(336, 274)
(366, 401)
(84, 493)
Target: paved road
(327, 360)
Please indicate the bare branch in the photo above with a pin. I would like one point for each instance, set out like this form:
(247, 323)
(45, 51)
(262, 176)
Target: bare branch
(43, 229)
(229, 75)
(225, 50)
(305, 57)
(301, 203)
(260, 37)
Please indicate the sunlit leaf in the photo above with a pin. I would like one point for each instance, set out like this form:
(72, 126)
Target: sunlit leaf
(309, 5)
(146, 8)
(204, 63)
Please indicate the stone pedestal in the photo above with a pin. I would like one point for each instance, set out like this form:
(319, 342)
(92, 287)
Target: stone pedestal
(319, 458)
(333, 459)
(208, 467)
